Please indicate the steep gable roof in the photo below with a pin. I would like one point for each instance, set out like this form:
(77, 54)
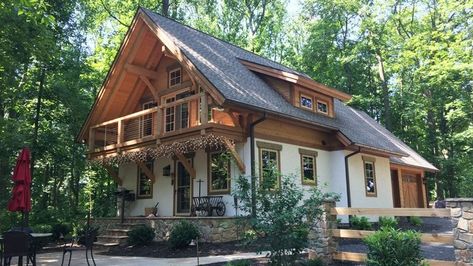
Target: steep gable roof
(220, 63)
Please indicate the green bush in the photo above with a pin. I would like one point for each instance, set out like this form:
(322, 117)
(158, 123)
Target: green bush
(314, 262)
(360, 223)
(389, 246)
(182, 234)
(42, 228)
(140, 236)
(415, 221)
(238, 263)
(60, 230)
(388, 222)
(283, 217)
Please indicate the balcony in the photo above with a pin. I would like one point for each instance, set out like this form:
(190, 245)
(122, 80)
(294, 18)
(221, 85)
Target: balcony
(168, 122)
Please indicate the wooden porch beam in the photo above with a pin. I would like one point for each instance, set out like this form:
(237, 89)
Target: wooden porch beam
(113, 174)
(190, 169)
(141, 71)
(151, 88)
(147, 171)
(235, 155)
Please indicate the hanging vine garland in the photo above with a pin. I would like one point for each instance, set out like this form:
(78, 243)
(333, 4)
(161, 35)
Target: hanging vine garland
(211, 142)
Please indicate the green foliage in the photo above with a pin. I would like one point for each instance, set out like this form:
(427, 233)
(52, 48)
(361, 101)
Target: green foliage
(283, 218)
(238, 263)
(182, 234)
(388, 222)
(140, 236)
(389, 246)
(415, 221)
(360, 223)
(60, 230)
(314, 262)
(42, 228)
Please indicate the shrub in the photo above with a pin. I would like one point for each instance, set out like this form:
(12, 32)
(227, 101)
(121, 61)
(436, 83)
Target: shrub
(314, 262)
(140, 236)
(389, 246)
(360, 223)
(238, 263)
(388, 222)
(182, 234)
(283, 218)
(81, 232)
(60, 230)
(42, 228)
(415, 221)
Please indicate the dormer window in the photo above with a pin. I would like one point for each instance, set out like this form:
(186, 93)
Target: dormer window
(306, 101)
(322, 107)
(175, 77)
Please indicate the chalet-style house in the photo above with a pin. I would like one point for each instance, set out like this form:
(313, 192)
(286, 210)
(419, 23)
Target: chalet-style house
(181, 111)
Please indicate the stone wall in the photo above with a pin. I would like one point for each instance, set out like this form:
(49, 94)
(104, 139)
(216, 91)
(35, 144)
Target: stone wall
(462, 219)
(212, 229)
(321, 243)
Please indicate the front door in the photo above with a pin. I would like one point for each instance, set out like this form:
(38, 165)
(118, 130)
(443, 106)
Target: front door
(410, 185)
(183, 191)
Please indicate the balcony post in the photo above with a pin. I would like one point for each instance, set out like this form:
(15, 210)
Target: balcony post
(204, 112)
(159, 122)
(121, 132)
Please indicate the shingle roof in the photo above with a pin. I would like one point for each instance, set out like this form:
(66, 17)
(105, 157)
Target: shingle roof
(219, 62)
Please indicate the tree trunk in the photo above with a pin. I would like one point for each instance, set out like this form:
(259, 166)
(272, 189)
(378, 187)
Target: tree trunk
(384, 84)
(166, 8)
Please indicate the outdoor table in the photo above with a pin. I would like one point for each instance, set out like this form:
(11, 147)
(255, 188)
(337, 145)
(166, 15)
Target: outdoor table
(36, 237)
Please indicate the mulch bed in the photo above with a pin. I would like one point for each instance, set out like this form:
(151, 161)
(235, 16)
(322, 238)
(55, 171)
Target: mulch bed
(163, 250)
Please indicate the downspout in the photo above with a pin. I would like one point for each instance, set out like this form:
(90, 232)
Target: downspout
(252, 158)
(347, 175)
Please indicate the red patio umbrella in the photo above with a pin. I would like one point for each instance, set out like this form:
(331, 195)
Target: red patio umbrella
(21, 193)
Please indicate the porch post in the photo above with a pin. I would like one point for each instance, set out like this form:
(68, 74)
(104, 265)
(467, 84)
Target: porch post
(462, 219)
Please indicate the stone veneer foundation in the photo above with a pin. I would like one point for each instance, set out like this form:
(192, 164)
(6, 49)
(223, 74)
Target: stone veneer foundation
(462, 220)
(213, 229)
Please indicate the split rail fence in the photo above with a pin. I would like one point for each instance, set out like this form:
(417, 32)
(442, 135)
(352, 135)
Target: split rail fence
(425, 237)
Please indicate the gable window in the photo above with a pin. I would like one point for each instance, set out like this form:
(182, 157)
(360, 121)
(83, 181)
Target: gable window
(144, 184)
(370, 176)
(175, 77)
(169, 115)
(308, 167)
(322, 107)
(306, 101)
(219, 173)
(269, 158)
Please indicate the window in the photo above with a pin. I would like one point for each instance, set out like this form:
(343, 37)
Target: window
(269, 161)
(219, 173)
(370, 176)
(144, 184)
(322, 107)
(308, 167)
(169, 116)
(306, 101)
(175, 77)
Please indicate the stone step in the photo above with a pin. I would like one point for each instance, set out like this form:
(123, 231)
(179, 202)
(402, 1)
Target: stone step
(105, 244)
(117, 232)
(112, 239)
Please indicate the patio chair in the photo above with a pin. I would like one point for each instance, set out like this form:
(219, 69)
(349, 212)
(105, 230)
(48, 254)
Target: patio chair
(18, 244)
(84, 243)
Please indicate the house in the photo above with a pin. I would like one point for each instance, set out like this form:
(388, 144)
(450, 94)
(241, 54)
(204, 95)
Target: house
(182, 113)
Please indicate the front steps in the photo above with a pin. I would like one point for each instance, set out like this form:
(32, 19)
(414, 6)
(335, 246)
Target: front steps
(115, 235)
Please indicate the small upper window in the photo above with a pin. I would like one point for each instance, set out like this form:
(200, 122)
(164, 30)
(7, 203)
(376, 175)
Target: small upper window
(175, 77)
(306, 101)
(370, 177)
(322, 107)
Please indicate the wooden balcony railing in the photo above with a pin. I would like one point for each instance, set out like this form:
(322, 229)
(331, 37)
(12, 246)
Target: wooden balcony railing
(118, 132)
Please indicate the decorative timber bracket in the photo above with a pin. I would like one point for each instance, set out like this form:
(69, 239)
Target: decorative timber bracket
(113, 174)
(231, 148)
(190, 169)
(147, 171)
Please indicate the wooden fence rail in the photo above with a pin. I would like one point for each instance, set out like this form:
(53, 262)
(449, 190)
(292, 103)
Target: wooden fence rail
(425, 237)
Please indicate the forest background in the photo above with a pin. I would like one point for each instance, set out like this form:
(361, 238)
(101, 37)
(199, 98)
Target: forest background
(407, 63)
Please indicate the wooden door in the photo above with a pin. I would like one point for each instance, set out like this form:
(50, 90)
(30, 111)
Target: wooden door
(410, 184)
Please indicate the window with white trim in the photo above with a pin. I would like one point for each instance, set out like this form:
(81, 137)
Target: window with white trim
(175, 77)
(322, 107)
(308, 167)
(370, 176)
(306, 101)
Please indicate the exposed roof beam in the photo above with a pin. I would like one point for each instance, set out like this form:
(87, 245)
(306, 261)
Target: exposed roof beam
(146, 171)
(231, 148)
(141, 71)
(113, 174)
(151, 88)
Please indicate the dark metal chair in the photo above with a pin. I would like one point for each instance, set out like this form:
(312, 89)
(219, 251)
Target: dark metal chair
(18, 244)
(86, 242)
